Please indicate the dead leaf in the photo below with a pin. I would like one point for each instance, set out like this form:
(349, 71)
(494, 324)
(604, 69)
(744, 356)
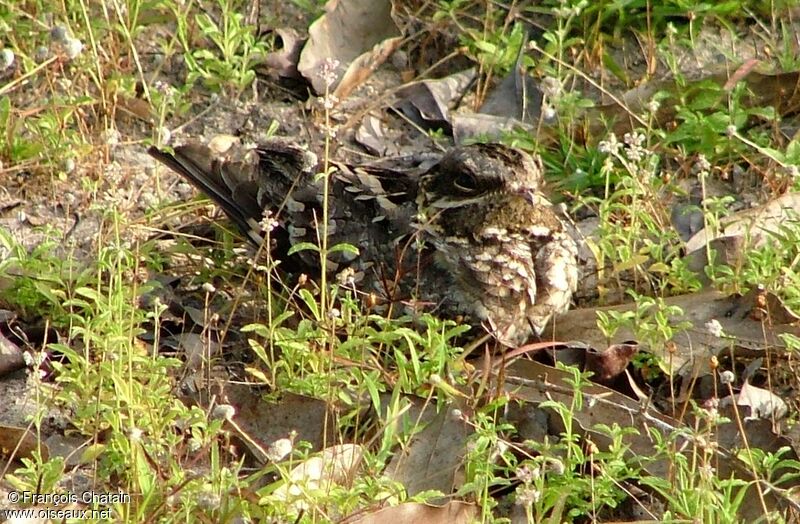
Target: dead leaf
(427, 103)
(763, 404)
(517, 95)
(755, 223)
(17, 443)
(335, 465)
(283, 63)
(355, 35)
(266, 422)
(692, 347)
(433, 459)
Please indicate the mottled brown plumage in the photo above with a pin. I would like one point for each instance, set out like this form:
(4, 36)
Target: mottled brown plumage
(470, 235)
(513, 263)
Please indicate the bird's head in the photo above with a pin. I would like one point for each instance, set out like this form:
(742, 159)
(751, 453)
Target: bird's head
(470, 180)
(473, 174)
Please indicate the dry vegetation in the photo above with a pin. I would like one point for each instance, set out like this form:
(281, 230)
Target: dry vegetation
(150, 358)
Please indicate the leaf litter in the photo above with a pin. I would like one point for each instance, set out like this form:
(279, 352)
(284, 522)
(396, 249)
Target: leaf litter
(356, 39)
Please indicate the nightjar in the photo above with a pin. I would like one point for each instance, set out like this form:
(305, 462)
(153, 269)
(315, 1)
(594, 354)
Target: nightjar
(469, 233)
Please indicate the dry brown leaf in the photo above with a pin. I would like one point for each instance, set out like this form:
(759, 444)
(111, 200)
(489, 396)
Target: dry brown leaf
(17, 443)
(533, 382)
(335, 465)
(433, 459)
(266, 422)
(763, 404)
(357, 35)
(427, 103)
(739, 316)
(753, 224)
(283, 63)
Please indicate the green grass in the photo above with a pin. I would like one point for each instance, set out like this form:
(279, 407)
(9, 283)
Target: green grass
(60, 112)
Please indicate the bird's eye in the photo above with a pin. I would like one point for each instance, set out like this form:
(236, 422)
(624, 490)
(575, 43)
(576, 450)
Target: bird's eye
(465, 183)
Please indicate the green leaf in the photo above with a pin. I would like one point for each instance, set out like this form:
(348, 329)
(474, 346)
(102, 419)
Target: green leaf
(302, 246)
(631, 263)
(311, 302)
(344, 247)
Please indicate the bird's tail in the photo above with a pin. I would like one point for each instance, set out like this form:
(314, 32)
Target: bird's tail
(230, 184)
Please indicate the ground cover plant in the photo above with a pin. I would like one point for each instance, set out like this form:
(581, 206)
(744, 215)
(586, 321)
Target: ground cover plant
(155, 367)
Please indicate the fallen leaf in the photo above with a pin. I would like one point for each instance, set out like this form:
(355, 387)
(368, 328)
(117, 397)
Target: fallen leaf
(355, 36)
(264, 423)
(283, 63)
(433, 458)
(427, 103)
(17, 443)
(763, 404)
(335, 465)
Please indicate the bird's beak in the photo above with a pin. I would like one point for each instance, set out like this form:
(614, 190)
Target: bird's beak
(530, 196)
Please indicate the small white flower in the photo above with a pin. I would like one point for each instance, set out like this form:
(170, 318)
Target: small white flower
(730, 131)
(727, 377)
(702, 163)
(610, 145)
(328, 102)
(6, 59)
(346, 277)
(527, 495)
(73, 48)
(163, 87)
(634, 139)
(135, 434)
(327, 71)
(268, 222)
(208, 287)
(526, 474)
(549, 113)
(69, 165)
(714, 328)
(712, 407)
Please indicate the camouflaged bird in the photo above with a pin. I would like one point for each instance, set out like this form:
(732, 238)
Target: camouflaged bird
(469, 235)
